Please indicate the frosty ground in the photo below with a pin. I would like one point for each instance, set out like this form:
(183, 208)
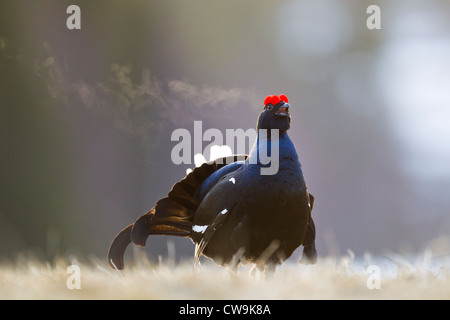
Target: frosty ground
(422, 276)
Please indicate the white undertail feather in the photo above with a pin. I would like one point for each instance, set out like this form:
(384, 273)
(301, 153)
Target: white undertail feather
(200, 229)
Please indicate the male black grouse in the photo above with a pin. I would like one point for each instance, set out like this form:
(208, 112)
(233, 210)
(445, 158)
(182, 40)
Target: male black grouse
(231, 210)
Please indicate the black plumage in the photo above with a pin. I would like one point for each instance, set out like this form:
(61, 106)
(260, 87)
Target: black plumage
(233, 212)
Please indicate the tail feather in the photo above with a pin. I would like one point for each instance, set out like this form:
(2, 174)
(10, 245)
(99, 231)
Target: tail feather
(173, 208)
(149, 224)
(117, 248)
(172, 215)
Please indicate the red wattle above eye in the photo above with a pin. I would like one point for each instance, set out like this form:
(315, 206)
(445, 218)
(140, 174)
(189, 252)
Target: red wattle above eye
(274, 99)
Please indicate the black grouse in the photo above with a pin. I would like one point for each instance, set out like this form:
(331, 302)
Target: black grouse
(232, 209)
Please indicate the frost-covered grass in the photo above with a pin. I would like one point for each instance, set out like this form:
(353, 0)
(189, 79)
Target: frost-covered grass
(347, 277)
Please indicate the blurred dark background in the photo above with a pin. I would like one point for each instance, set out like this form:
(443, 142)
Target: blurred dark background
(86, 115)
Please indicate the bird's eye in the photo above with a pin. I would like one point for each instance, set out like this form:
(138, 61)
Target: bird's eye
(269, 107)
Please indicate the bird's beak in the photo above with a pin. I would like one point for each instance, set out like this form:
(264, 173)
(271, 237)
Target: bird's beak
(283, 110)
